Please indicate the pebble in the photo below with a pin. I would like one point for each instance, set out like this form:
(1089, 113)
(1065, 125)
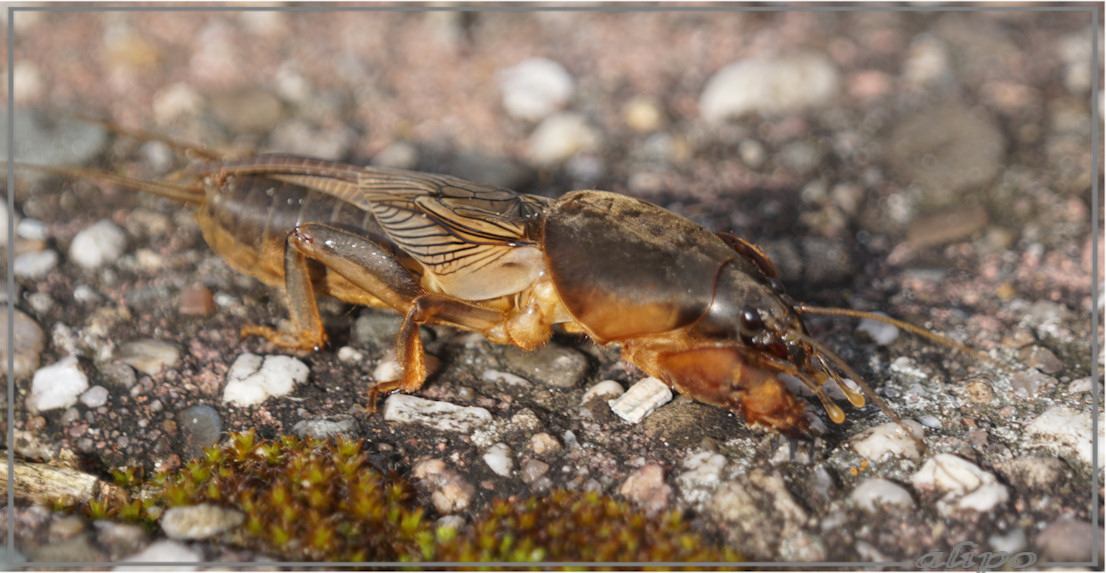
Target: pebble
(176, 101)
(533, 470)
(641, 399)
(703, 470)
(57, 385)
(199, 521)
(251, 110)
(604, 389)
(551, 365)
(253, 379)
(95, 396)
(31, 229)
(38, 137)
(326, 428)
(876, 494)
(948, 150)
(927, 62)
(560, 136)
(1040, 473)
(27, 346)
(450, 492)
(645, 487)
(200, 427)
(442, 416)
(535, 88)
(752, 153)
(1068, 540)
(881, 333)
(1077, 386)
(966, 486)
(148, 355)
(119, 538)
(101, 244)
(1013, 542)
(1027, 383)
(399, 155)
(165, 552)
(1040, 358)
(35, 264)
(769, 85)
(498, 458)
(889, 440)
(196, 300)
(643, 114)
(1068, 430)
(543, 443)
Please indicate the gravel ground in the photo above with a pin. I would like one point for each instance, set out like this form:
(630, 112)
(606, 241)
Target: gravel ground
(935, 166)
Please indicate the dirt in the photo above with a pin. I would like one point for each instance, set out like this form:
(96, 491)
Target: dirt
(832, 196)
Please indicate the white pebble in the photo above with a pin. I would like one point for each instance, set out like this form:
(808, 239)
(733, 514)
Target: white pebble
(35, 264)
(604, 389)
(561, 136)
(877, 493)
(57, 385)
(498, 457)
(31, 229)
(704, 472)
(966, 486)
(889, 439)
(1069, 430)
(882, 333)
(164, 552)
(199, 521)
(442, 416)
(253, 379)
(769, 85)
(101, 244)
(641, 399)
(535, 88)
(95, 396)
(148, 355)
(350, 355)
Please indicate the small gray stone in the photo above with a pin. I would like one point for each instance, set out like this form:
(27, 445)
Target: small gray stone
(27, 346)
(324, 428)
(1068, 540)
(532, 470)
(200, 427)
(95, 396)
(552, 365)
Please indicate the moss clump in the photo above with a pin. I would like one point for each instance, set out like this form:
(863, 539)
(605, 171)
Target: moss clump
(572, 526)
(303, 500)
(313, 500)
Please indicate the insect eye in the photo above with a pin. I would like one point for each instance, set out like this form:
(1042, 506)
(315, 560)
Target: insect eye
(751, 320)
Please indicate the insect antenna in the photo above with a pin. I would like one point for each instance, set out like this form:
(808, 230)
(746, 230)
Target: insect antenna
(191, 149)
(912, 328)
(188, 194)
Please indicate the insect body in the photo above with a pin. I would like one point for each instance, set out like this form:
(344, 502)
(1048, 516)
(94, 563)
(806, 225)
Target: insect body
(703, 312)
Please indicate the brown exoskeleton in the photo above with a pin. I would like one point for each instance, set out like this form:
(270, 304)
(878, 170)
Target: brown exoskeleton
(701, 311)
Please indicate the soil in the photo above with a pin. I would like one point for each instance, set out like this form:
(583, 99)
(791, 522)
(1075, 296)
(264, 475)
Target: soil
(948, 182)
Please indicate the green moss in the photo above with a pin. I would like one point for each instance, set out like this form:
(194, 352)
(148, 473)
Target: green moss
(572, 526)
(312, 500)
